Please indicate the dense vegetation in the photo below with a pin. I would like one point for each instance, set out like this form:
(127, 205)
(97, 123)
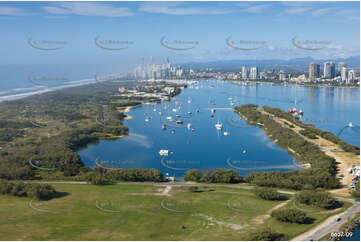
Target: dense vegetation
(109, 176)
(21, 189)
(312, 131)
(266, 234)
(318, 198)
(323, 167)
(217, 176)
(268, 194)
(290, 215)
(47, 130)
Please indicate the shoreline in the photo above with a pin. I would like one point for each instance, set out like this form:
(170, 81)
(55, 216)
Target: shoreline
(19, 96)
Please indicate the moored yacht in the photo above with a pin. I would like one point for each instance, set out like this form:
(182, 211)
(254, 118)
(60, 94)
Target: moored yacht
(218, 126)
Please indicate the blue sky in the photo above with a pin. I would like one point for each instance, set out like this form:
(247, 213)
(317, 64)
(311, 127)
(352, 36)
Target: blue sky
(206, 25)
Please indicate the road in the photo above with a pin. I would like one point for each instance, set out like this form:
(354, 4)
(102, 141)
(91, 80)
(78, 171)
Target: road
(330, 224)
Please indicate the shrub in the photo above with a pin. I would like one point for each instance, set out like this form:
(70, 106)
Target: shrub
(290, 215)
(268, 193)
(20, 189)
(266, 234)
(193, 189)
(40, 191)
(318, 198)
(96, 179)
(221, 176)
(192, 175)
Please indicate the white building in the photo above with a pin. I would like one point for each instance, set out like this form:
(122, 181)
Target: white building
(244, 72)
(254, 73)
(344, 74)
(351, 76)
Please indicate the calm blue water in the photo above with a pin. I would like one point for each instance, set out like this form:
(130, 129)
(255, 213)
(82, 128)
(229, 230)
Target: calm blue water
(246, 149)
(355, 236)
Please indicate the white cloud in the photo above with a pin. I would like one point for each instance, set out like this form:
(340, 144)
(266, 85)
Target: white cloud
(321, 11)
(296, 10)
(255, 9)
(177, 10)
(88, 9)
(11, 11)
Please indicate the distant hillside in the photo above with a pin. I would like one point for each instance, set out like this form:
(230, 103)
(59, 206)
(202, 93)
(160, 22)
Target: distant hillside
(297, 64)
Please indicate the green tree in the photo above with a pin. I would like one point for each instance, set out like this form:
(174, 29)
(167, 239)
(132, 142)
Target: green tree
(266, 234)
(192, 175)
(290, 215)
(267, 193)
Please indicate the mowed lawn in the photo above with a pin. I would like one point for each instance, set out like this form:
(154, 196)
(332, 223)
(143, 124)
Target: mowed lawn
(137, 212)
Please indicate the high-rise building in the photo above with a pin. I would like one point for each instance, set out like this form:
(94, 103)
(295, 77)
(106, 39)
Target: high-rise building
(340, 65)
(333, 69)
(314, 71)
(351, 76)
(329, 69)
(244, 72)
(282, 76)
(253, 73)
(157, 71)
(343, 74)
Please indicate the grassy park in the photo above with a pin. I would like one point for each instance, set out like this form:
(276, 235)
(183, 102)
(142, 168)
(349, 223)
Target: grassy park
(143, 212)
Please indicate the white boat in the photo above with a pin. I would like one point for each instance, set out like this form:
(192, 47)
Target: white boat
(169, 118)
(189, 113)
(218, 126)
(173, 131)
(189, 101)
(189, 126)
(350, 125)
(147, 119)
(163, 152)
(244, 151)
(226, 133)
(213, 110)
(174, 110)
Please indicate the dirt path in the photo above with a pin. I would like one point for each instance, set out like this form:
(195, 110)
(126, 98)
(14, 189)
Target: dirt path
(166, 190)
(260, 219)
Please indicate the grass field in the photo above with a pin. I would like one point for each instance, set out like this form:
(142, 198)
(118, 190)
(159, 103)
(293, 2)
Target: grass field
(139, 212)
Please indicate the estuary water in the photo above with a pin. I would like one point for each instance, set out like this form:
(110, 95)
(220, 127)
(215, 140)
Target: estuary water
(201, 146)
